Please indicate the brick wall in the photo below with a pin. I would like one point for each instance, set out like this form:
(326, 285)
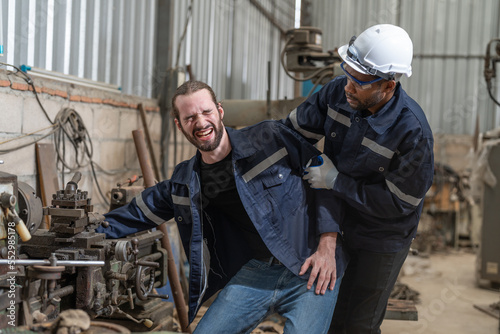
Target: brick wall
(109, 118)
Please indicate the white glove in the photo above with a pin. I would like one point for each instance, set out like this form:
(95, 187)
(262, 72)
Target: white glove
(323, 175)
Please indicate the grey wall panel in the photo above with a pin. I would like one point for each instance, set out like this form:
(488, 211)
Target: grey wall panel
(73, 64)
(449, 37)
(229, 44)
(110, 41)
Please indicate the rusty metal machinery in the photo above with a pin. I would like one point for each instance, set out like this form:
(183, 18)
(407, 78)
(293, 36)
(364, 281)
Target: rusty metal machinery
(304, 54)
(70, 266)
(30, 206)
(124, 192)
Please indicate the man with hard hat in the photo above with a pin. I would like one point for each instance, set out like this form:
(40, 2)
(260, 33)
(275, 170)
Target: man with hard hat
(378, 161)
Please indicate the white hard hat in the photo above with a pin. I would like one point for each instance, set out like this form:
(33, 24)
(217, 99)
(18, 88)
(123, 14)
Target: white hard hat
(382, 50)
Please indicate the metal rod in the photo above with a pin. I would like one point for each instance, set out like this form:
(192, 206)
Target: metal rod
(165, 242)
(175, 283)
(142, 154)
(36, 71)
(450, 56)
(65, 291)
(269, 16)
(66, 263)
(148, 141)
(268, 100)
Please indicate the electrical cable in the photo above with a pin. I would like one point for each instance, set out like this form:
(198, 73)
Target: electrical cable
(73, 130)
(29, 81)
(175, 144)
(186, 24)
(9, 150)
(491, 73)
(27, 134)
(68, 127)
(492, 97)
(317, 83)
(116, 172)
(311, 76)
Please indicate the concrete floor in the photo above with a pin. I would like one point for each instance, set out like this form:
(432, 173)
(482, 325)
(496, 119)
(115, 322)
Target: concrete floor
(448, 292)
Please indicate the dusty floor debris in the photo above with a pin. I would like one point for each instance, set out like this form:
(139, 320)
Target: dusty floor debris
(443, 285)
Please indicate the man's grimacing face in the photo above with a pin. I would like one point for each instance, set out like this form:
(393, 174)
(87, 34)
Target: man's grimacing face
(200, 120)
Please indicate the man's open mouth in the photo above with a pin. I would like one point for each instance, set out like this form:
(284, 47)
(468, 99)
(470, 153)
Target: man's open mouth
(204, 134)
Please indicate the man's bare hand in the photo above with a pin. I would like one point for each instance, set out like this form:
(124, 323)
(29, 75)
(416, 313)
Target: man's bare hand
(323, 264)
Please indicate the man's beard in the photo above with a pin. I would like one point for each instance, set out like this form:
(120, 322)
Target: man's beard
(202, 145)
(368, 103)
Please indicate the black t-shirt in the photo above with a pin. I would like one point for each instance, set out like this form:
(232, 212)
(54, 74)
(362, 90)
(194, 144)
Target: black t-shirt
(219, 194)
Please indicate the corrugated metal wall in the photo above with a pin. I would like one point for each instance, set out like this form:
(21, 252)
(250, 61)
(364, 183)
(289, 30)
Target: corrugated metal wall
(450, 38)
(229, 44)
(111, 41)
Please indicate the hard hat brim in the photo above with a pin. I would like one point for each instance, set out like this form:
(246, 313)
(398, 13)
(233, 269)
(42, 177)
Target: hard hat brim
(355, 66)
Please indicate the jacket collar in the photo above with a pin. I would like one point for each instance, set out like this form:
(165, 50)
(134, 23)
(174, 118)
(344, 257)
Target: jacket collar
(385, 117)
(183, 171)
(241, 145)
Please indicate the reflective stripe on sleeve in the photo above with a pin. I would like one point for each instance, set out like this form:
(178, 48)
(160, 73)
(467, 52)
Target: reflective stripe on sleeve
(342, 119)
(296, 126)
(180, 200)
(401, 195)
(263, 165)
(383, 151)
(144, 208)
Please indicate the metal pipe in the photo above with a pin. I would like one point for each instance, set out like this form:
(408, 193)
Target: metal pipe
(450, 56)
(175, 284)
(148, 140)
(268, 15)
(268, 97)
(142, 154)
(40, 72)
(174, 281)
(65, 291)
(66, 263)
(249, 112)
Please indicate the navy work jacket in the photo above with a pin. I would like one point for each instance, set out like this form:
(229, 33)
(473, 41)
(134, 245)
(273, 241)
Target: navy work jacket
(385, 163)
(268, 162)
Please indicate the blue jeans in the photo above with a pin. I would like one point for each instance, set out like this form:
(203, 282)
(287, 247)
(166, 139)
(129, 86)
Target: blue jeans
(260, 289)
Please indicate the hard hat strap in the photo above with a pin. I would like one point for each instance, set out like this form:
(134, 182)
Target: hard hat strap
(352, 53)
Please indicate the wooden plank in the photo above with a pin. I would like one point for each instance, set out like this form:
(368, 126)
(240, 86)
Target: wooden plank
(488, 309)
(401, 310)
(47, 174)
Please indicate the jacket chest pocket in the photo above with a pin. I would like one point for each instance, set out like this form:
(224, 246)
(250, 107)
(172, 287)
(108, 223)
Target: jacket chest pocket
(335, 134)
(280, 189)
(335, 131)
(182, 213)
(275, 177)
(376, 163)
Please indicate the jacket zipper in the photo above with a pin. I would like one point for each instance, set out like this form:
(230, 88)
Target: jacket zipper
(204, 275)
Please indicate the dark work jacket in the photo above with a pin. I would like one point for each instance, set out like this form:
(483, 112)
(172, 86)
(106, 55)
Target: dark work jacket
(268, 162)
(385, 162)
